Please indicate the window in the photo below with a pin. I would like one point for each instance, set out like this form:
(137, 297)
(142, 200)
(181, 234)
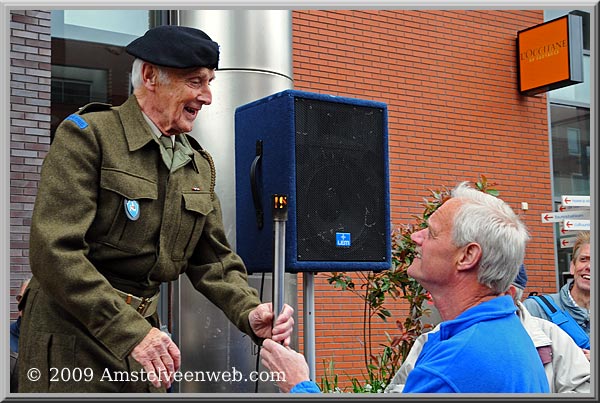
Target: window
(89, 62)
(570, 128)
(573, 141)
(71, 91)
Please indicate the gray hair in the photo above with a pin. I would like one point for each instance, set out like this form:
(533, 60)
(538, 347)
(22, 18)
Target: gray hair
(136, 73)
(518, 294)
(491, 223)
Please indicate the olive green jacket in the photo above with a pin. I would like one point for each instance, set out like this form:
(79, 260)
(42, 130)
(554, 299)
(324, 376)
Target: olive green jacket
(82, 242)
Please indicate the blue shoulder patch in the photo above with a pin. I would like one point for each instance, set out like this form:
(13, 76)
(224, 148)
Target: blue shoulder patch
(78, 120)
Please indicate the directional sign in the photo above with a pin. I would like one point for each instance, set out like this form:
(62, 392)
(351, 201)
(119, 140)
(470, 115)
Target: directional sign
(583, 201)
(562, 208)
(563, 232)
(565, 215)
(576, 225)
(568, 242)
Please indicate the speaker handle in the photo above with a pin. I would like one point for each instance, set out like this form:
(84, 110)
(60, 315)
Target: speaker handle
(254, 185)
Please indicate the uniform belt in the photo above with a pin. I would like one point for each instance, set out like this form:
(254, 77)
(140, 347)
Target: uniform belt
(144, 306)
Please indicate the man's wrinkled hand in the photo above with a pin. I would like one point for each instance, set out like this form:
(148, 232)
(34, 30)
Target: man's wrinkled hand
(159, 355)
(284, 361)
(261, 322)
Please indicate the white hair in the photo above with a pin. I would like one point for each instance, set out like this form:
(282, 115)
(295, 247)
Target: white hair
(491, 223)
(136, 73)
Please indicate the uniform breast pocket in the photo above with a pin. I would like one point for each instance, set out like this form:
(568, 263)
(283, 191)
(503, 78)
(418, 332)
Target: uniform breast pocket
(126, 219)
(196, 207)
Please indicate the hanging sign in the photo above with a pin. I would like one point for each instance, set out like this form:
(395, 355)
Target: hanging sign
(576, 201)
(576, 225)
(567, 242)
(550, 55)
(566, 215)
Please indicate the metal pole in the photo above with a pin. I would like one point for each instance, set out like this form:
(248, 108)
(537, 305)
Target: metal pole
(253, 63)
(279, 219)
(309, 322)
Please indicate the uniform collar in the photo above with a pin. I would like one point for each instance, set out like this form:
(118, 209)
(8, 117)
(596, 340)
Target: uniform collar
(155, 130)
(137, 131)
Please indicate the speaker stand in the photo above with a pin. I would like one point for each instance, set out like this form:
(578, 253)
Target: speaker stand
(280, 216)
(308, 299)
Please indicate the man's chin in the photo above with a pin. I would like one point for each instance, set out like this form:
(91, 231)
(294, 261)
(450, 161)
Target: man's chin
(186, 128)
(412, 270)
(584, 284)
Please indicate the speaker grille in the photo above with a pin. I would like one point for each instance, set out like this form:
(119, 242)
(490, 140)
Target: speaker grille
(340, 182)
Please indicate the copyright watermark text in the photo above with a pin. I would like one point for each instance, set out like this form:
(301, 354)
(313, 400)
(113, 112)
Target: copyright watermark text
(88, 375)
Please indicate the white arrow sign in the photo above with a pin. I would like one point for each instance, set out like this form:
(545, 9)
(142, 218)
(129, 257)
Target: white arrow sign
(583, 201)
(576, 225)
(562, 208)
(565, 215)
(568, 242)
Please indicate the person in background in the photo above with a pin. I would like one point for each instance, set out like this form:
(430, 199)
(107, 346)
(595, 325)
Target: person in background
(126, 203)
(574, 297)
(466, 259)
(566, 367)
(15, 330)
(15, 326)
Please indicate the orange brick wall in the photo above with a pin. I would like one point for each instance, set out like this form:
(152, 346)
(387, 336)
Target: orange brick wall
(449, 79)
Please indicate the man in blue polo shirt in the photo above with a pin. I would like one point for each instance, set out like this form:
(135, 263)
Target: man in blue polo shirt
(466, 258)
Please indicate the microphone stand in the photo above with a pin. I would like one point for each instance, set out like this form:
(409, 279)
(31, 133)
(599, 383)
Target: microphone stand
(280, 215)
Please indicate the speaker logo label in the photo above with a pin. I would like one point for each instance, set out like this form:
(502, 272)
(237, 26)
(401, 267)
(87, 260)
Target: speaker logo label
(342, 239)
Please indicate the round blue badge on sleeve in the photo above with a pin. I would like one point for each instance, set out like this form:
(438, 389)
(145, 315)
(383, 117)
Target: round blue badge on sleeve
(132, 209)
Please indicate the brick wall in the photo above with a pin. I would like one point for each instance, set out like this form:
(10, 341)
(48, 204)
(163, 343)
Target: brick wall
(29, 130)
(450, 81)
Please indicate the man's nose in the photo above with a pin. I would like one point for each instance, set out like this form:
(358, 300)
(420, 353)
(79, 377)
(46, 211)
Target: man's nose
(417, 237)
(205, 95)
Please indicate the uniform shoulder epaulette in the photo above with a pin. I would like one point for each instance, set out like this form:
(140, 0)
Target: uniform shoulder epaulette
(91, 107)
(94, 107)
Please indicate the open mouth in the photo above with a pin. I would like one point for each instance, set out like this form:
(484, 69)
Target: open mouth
(585, 276)
(191, 111)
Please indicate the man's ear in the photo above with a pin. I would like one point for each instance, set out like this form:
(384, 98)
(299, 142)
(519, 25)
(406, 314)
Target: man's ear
(512, 291)
(469, 257)
(149, 75)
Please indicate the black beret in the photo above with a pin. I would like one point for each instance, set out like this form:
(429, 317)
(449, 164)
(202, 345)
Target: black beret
(176, 46)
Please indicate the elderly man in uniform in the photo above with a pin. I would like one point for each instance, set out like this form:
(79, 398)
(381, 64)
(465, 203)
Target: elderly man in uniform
(127, 202)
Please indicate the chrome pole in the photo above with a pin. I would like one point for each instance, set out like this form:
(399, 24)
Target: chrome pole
(279, 219)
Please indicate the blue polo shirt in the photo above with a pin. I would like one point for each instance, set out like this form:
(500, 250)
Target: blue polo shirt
(485, 349)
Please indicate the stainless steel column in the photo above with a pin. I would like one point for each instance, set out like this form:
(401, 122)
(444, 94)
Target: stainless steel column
(256, 61)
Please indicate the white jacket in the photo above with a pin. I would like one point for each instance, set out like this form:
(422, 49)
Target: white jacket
(569, 370)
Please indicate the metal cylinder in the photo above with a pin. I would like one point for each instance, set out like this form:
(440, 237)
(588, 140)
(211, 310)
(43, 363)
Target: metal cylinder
(255, 61)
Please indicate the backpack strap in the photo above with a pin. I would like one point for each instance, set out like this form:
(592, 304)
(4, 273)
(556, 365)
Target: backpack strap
(565, 321)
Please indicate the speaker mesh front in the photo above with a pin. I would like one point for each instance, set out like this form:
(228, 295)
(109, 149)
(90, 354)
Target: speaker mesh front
(340, 188)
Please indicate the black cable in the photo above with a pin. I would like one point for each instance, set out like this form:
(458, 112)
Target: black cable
(262, 286)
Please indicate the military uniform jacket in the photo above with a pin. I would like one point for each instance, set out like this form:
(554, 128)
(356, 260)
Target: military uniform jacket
(83, 243)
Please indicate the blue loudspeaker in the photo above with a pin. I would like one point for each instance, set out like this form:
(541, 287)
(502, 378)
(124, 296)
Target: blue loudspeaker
(329, 155)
